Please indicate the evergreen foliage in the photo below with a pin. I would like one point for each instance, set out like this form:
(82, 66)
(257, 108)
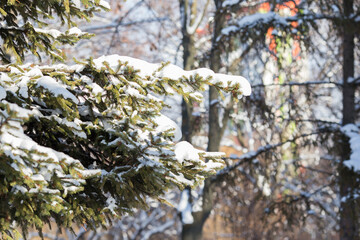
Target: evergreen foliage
(85, 143)
(22, 23)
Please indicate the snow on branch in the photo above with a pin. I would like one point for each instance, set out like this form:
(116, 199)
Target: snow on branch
(254, 22)
(69, 133)
(195, 21)
(228, 3)
(259, 23)
(169, 71)
(20, 33)
(352, 132)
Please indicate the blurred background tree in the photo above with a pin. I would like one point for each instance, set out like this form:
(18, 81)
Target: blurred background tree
(288, 144)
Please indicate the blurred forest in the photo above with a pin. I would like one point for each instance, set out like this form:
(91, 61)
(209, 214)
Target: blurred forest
(291, 171)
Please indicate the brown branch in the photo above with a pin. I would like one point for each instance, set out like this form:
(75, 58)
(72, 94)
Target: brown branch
(4, 69)
(310, 120)
(119, 21)
(248, 157)
(7, 68)
(226, 117)
(317, 170)
(296, 84)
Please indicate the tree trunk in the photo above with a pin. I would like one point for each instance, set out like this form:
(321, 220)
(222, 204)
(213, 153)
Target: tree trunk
(194, 231)
(214, 134)
(189, 51)
(349, 210)
(189, 231)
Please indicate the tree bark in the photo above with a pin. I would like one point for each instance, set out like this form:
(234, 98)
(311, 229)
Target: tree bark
(214, 134)
(349, 209)
(189, 51)
(189, 231)
(194, 231)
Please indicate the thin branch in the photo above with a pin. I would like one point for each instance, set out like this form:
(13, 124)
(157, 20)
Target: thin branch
(119, 21)
(159, 229)
(115, 24)
(226, 117)
(307, 195)
(296, 84)
(7, 68)
(243, 54)
(318, 170)
(12, 28)
(356, 80)
(195, 23)
(254, 154)
(177, 52)
(310, 120)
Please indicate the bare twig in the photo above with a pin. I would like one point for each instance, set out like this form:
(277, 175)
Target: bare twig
(254, 154)
(296, 84)
(125, 24)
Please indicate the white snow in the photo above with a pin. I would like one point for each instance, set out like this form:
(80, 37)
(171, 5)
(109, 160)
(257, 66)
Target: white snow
(23, 91)
(71, 189)
(34, 72)
(41, 163)
(111, 205)
(104, 4)
(185, 208)
(228, 30)
(174, 72)
(75, 30)
(52, 32)
(2, 93)
(254, 20)
(180, 179)
(211, 165)
(165, 123)
(73, 125)
(38, 177)
(190, 29)
(230, 3)
(77, 3)
(4, 77)
(18, 188)
(264, 185)
(56, 88)
(352, 131)
(96, 89)
(231, 81)
(185, 151)
(14, 70)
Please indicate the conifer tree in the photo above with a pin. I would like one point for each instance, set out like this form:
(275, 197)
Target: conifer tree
(85, 143)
